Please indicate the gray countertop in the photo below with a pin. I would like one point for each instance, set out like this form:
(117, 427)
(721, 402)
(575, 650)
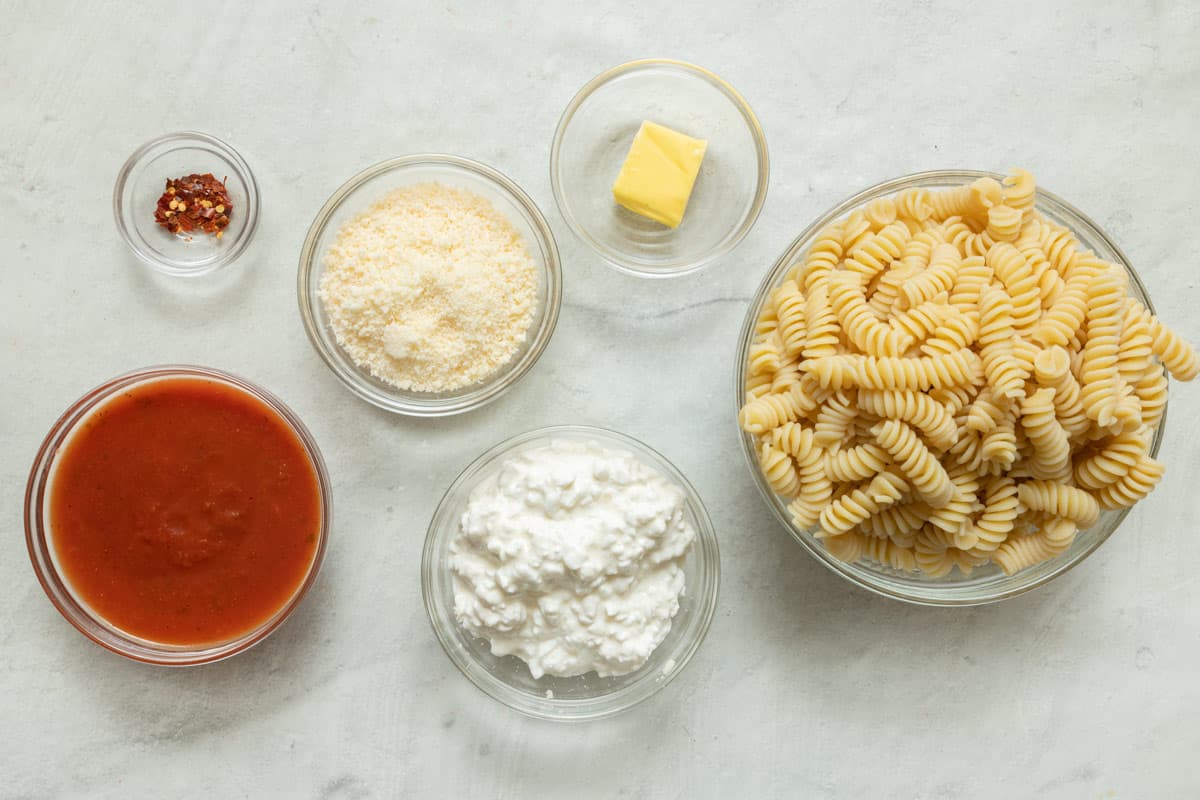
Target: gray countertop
(806, 686)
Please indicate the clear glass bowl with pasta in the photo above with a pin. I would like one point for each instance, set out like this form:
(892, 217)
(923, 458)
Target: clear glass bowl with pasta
(988, 583)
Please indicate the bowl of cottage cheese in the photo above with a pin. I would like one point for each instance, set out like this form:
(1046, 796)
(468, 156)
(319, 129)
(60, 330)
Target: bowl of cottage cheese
(570, 572)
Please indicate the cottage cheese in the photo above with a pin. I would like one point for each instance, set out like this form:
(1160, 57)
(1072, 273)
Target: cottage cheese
(571, 557)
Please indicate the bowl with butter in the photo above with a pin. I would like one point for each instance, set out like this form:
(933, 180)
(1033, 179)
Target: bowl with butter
(660, 166)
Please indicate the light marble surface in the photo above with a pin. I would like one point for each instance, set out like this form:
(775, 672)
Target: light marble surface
(806, 687)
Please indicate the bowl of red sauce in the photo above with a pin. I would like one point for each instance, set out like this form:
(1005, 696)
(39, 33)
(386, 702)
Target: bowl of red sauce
(177, 515)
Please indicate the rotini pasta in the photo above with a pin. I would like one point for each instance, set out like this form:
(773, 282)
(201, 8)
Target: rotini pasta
(1023, 552)
(1019, 189)
(859, 322)
(855, 506)
(856, 463)
(790, 311)
(938, 277)
(779, 470)
(1099, 378)
(794, 439)
(919, 410)
(897, 523)
(1177, 355)
(815, 489)
(1131, 487)
(1014, 273)
(1109, 461)
(1059, 500)
(915, 461)
(1000, 508)
(822, 258)
(919, 322)
(834, 421)
(877, 250)
(947, 379)
(1003, 223)
(1052, 368)
(1051, 457)
(996, 343)
(820, 324)
(889, 553)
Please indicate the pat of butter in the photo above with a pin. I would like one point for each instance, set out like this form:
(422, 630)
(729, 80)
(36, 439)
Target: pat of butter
(657, 177)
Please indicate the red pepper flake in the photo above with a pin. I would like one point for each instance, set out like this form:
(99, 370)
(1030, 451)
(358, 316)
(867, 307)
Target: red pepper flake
(194, 203)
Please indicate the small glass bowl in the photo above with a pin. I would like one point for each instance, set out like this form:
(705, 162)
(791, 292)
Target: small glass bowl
(38, 526)
(987, 584)
(354, 196)
(593, 138)
(582, 697)
(141, 182)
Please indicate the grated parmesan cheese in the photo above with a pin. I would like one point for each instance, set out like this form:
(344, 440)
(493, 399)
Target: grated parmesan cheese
(430, 289)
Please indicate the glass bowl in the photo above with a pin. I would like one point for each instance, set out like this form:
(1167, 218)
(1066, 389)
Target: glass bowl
(582, 697)
(987, 584)
(366, 187)
(39, 530)
(593, 138)
(141, 182)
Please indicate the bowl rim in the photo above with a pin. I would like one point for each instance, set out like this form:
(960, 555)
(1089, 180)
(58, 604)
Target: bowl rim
(494, 385)
(618, 259)
(931, 178)
(220, 258)
(706, 547)
(55, 585)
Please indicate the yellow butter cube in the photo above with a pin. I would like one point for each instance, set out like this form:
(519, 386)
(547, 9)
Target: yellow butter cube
(657, 177)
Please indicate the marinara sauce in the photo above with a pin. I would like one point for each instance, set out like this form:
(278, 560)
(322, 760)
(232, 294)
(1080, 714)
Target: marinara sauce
(184, 511)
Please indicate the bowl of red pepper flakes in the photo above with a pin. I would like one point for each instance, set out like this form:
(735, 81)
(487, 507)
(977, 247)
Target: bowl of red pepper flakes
(195, 203)
(186, 203)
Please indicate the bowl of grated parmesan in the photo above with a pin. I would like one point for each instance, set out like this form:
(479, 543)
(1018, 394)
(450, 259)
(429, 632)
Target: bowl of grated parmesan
(429, 284)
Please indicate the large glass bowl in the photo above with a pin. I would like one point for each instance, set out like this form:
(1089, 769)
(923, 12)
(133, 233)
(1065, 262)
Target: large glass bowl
(354, 196)
(987, 584)
(582, 697)
(39, 527)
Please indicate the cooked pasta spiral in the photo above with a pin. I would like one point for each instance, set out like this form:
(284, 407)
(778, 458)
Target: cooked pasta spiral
(877, 250)
(919, 410)
(821, 325)
(1000, 508)
(1019, 190)
(815, 490)
(790, 310)
(856, 463)
(1003, 223)
(1017, 278)
(1051, 450)
(1100, 390)
(938, 277)
(834, 420)
(779, 470)
(1131, 487)
(1059, 500)
(1052, 368)
(823, 256)
(1023, 552)
(1178, 356)
(915, 462)
(1109, 461)
(852, 508)
(959, 368)
(859, 322)
(1003, 372)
